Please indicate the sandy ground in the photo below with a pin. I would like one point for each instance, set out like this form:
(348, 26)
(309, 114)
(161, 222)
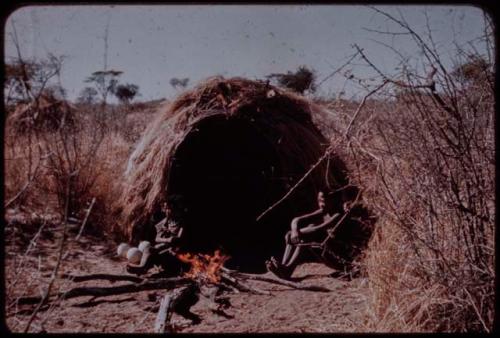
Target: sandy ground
(28, 269)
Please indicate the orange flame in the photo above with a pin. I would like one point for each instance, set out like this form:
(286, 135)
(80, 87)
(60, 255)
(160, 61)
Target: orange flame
(204, 266)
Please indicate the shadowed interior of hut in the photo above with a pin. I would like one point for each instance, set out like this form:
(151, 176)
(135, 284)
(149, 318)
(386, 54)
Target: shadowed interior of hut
(227, 173)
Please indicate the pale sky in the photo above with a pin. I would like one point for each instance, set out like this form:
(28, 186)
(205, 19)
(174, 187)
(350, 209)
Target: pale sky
(152, 44)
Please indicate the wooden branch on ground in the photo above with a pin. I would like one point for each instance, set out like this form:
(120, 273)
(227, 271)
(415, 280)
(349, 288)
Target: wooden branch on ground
(229, 287)
(278, 281)
(162, 323)
(164, 283)
(217, 303)
(241, 287)
(103, 276)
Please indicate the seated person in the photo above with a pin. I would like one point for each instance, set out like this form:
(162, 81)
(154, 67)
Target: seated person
(164, 252)
(308, 228)
(168, 233)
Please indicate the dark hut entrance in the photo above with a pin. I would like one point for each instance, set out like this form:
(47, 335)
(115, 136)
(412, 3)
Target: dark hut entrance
(227, 174)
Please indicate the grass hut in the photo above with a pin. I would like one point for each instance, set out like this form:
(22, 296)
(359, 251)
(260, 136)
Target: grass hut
(229, 148)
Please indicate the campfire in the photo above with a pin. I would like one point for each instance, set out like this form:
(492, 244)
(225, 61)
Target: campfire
(204, 267)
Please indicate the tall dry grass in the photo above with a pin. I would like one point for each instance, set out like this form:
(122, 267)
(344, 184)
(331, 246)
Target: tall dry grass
(93, 154)
(424, 151)
(438, 183)
(431, 263)
(431, 260)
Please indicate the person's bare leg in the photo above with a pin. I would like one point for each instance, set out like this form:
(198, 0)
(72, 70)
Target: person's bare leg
(288, 262)
(288, 249)
(292, 261)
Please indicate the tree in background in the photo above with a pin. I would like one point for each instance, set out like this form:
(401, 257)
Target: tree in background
(88, 95)
(16, 76)
(26, 80)
(126, 92)
(175, 82)
(299, 81)
(105, 82)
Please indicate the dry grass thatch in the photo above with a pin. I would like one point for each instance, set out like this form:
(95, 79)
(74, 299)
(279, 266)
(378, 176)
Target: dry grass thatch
(45, 112)
(282, 117)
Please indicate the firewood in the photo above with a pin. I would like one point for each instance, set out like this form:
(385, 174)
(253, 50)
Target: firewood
(274, 280)
(162, 323)
(213, 294)
(180, 301)
(245, 288)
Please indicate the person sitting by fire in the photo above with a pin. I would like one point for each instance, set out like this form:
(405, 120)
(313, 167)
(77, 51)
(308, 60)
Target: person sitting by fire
(308, 229)
(168, 232)
(168, 237)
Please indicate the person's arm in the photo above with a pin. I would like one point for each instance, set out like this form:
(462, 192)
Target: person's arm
(163, 240)
(298, 221)
(176, 236)
(312, 228)
(164, 236)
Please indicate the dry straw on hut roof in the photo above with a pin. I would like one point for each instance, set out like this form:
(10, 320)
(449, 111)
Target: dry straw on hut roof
(282, 142)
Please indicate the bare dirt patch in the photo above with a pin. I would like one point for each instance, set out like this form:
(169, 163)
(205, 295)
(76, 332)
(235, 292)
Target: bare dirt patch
(284, 310)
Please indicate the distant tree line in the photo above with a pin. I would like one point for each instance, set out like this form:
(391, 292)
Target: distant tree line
(104, 83)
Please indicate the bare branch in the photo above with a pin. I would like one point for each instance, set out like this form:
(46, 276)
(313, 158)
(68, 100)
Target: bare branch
(338, 69)
(385, 32)
(85, 219)
(46, 294)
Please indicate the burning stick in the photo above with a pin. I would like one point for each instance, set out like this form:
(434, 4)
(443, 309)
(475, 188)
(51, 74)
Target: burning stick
(205, 267)
(208, 269)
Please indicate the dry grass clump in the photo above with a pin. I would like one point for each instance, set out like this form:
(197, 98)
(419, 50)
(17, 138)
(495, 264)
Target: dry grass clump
(424, 152)
(19, 171)
(111, 159)
(45, 112)
(427, 166)
(89, 157)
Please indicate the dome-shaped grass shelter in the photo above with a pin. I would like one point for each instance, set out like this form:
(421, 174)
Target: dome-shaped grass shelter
(228, 149)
